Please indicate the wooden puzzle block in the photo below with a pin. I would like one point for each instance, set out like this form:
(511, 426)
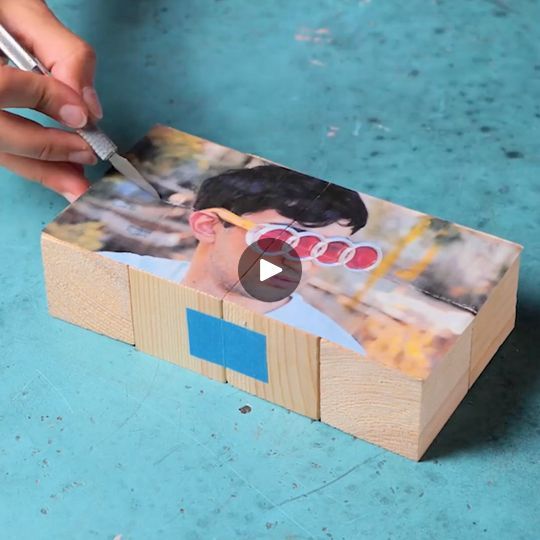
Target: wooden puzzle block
(394, 315)
(292, 358)
(87, 289)
(370, 400)
(387, 407)
(160, 320)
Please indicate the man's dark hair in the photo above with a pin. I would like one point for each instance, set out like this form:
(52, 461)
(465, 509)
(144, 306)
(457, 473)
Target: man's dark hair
(309, 201)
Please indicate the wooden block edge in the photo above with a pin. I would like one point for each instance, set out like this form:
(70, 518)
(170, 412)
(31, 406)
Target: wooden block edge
(124, 332)
(480, 360)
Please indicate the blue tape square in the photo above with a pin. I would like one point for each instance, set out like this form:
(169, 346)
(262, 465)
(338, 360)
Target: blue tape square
(245, 351)
(227, 344)
(205, 334)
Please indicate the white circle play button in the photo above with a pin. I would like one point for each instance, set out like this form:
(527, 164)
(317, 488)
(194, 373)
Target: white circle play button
(268, 270)
(269, 273)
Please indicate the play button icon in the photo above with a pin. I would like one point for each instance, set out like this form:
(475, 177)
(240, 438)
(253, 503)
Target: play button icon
(268, 270)
(269, 273)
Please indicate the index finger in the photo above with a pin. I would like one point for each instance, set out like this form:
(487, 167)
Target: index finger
(69, 58)
(45, 94)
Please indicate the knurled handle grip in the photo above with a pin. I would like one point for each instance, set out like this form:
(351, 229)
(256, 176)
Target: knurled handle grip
(100, 143)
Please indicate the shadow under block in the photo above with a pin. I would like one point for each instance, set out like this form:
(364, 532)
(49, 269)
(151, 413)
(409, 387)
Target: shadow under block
(86, 289)
(160, 321)
(385, 406)
(292, 361)
(494, 321)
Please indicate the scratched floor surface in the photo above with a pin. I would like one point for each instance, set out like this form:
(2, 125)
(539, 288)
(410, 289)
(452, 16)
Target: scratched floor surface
(432, 104)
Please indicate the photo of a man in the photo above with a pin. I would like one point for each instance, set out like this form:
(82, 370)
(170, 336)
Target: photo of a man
(266, 197)
(399, 287)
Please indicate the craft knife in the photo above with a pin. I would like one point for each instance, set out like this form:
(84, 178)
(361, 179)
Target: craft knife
(102, 145)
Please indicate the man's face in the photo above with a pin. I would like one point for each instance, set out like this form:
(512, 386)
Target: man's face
(230, 242)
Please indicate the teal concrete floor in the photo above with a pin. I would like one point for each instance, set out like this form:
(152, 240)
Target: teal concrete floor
(434, 105)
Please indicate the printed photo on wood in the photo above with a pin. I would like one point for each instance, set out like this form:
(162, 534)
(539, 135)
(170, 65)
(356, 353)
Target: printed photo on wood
(388, 282)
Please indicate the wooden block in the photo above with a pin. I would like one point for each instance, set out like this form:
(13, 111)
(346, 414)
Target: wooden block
(86, 289)
(413, 311)
(159, 320)
(292, 360)
(369, 400)
(494, 321)
(385, 406)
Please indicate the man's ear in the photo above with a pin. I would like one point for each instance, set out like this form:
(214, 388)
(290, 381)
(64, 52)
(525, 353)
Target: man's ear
(204, 224)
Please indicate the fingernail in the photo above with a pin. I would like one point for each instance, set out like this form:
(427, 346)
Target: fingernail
(73, 116)
(91, 99)
(69, 196)
(84, 157)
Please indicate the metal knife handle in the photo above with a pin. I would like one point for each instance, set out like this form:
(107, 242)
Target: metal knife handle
(101, 144)
(20, 57)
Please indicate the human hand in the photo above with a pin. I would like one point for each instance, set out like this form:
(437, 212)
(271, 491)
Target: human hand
(50, 156)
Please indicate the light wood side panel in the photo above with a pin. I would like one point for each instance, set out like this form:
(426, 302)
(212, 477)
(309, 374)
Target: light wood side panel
(445, 375)
(87, 289)
(370, 400)
(292, 360)
(160, 323)
(444, 389)
(437, 422)
(494, 321)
